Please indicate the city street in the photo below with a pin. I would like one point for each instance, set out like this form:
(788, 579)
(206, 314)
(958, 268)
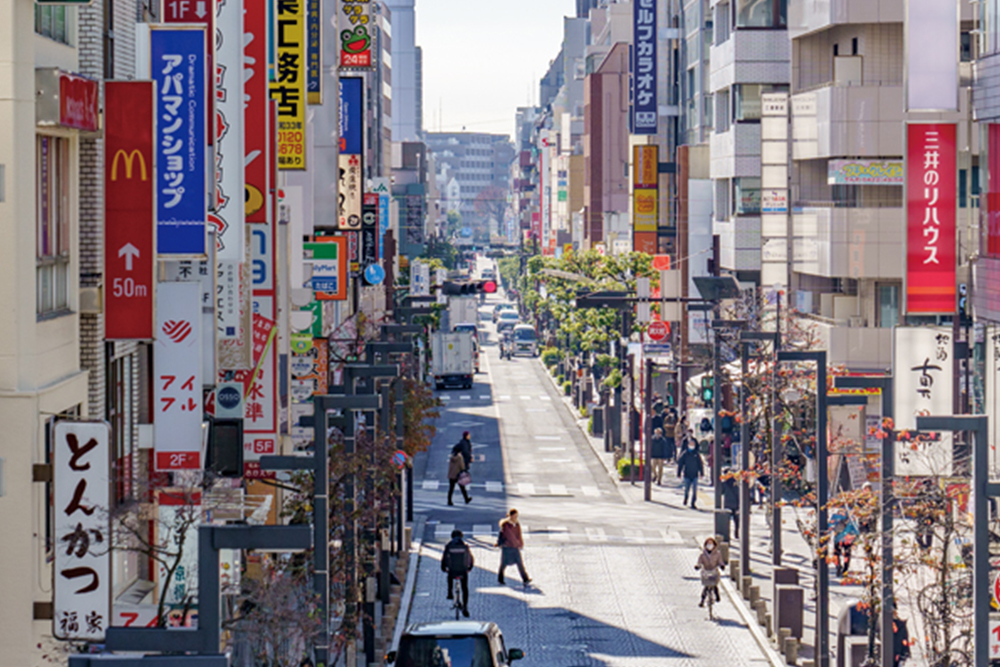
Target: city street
(613, 579)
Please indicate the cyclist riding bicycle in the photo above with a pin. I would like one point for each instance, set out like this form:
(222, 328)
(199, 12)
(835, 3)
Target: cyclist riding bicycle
(506, 345)
(457, 562)
(710, 562)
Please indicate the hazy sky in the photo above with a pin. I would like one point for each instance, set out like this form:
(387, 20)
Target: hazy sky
(483, 58)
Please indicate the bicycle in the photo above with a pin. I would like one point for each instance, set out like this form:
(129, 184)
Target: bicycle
(710, 582)
(456, 592)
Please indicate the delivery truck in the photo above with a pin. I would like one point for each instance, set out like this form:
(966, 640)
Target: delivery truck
(452, 359)
(463, 310)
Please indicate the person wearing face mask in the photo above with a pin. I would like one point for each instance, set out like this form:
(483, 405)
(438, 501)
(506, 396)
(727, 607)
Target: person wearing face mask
(690, 468)
(710, 563)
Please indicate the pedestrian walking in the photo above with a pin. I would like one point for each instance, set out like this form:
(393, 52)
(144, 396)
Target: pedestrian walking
(456, 562)
(844, 533)
(464, 446)
(511, 541)
(457, 473)
(710, 563)
(690, 468)
(669, 425)
(658, 452)
(731, 498)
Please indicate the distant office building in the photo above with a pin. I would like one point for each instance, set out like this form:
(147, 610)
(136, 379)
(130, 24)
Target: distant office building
(407, 73)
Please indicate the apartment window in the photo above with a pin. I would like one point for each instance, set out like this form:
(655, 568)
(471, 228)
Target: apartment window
(747, 96)
(723, 22)
(722, 210)
(53, 215)
(53, 21)
(746, 196)
(761, 13)
(989, 37)
(888, 306)
(722, 112)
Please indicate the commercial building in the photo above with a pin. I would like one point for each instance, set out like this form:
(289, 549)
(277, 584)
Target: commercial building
(407, 73)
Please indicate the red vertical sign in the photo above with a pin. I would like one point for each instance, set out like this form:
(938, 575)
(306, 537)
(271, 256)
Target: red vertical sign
(199, 12)
(255, 94)
(991, 212)
(128, 210)
(930, 218)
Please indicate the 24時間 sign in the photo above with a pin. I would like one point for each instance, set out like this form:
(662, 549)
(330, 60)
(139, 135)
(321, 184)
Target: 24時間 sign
(178, 69)
(356, 34)
(930, 218)
(644, 104)
(128, 210)
(289, 86)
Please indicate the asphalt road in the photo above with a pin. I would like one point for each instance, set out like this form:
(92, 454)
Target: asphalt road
(613, 578)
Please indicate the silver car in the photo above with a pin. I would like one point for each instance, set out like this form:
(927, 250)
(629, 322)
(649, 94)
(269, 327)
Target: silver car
(454, 643)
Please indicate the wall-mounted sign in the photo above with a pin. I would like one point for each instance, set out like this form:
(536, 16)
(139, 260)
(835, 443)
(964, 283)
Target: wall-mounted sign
(66, 100)
(328, 257)
(258, 142)
(178, 69)
(644, 102)
(645, 165)
(922, 386)
(644, 210)
(177, 385)
(351, 180)
(356, 34)
(314, 51)
(128, 210)
(380, 187)
(81, 472)
(864, 172)
(368, 251)
(289, 87)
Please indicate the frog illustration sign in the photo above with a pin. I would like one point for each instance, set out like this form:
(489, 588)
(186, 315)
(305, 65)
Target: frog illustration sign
(356, 35)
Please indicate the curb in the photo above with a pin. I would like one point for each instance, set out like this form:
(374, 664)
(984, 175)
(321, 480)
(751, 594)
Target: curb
(416, 550)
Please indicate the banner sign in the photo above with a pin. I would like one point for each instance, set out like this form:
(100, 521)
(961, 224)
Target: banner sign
(81, 499)
(289, 87)
(257, 135)
(307, 367)
(356, 34)
(314, 51)
(922, 385)
(380, 187)
(328, 258)
(864, 172)
(351, 118)
(930, 218)
(350, 191)
(645, 164)
(369, 231)
(78, 107)
(200, 12)
(230, 159)
(178, 69)
(177, 391)
(644, 102)
(644, 210)
(128, 210)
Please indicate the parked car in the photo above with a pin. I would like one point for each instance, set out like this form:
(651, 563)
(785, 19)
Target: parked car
(525, 340)
(507, 320)
(453, 643)
(499, 308)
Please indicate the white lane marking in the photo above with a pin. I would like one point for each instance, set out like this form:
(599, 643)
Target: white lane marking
(443, 529)
(484, 397)
(526, 488)
(545, 398)
(445, 398)
(482, 530)
(557, 489)
(464, 398)
(526, 398)
(591, 491)
(548, 437)
(671, 536)
(431, 484)
(559, 533)
(634, 535)
(504, 398)
(596, 535)
(535, 410)
(552, 449)
(556, 460)
(494, 487)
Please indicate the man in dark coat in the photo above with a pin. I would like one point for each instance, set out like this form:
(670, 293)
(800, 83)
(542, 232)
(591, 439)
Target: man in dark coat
(464, 447)
(457, 562)
(690, 468)
(731, 498)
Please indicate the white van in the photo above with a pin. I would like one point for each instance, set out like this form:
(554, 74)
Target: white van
(525, 340)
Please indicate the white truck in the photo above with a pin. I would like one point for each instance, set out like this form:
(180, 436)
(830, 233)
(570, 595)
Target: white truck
(463, 310)
(452, 359)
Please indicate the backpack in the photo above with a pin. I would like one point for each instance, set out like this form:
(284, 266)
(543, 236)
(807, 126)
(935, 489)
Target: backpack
(457, 558)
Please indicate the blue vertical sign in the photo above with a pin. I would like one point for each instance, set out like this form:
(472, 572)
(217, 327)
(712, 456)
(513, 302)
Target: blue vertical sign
(178, 68)
(644, 103)
(350, 115)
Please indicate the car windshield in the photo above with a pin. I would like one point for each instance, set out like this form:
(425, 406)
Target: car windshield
(444, 652)
(471, 328)
(508, 315)
(524, 334)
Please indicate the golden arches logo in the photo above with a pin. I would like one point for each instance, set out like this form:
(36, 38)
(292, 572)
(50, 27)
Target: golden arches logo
(129, 158)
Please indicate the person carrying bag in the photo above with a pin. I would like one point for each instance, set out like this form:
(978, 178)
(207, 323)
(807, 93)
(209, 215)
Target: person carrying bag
(458, 476)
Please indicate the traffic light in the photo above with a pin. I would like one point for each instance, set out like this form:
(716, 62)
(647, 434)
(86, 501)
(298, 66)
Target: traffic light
(707, 388)
(468, 287)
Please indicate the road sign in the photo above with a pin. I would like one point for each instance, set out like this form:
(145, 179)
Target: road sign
(374, 274)
(657, 330)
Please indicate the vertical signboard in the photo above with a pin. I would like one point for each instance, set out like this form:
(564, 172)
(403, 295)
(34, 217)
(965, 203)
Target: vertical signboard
(380, 187)
(128, 210)
(314, 51)
(351, 112)
(328, 259)
(644, 103)
(178, 70)
(289, 86)
(200, 12)
(930, 218)
(368, 252)
(81, 499)
(931, 46)
(256, 135)
(922, 385)
(177, 386)
(356, 34)
(229, 207)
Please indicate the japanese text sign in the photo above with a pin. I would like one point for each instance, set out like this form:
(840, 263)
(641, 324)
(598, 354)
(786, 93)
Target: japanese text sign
(78, 102)
(128, 210)
(81, 456)
(369, 231)
(200, 12)
(349, 189)
(314, 51)
(922, 386)
(356, 25)
(380, 186)
(289, 87)
(351, 112)
(178, 69)
(645, 166)
(329, 267)
(229, 207)
(930, 218)
(257, 134)
(177, 382)
(644, 102)
(644, 210)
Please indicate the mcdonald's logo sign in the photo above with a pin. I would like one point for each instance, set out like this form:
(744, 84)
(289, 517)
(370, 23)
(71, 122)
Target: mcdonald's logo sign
(129, 159)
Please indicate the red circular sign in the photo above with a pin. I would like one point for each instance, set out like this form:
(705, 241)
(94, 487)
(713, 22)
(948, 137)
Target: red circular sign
(657, 330)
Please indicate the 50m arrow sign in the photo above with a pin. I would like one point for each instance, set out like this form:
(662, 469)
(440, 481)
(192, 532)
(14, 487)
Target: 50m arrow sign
(129, 252)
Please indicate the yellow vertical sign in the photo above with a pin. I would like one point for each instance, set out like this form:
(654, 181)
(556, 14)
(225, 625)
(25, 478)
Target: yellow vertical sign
(289, 86)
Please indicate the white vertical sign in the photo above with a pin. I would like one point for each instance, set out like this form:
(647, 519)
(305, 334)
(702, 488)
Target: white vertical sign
(922, 386)
(177, 367)
(230, 158)
(931, 74)
(81, 473)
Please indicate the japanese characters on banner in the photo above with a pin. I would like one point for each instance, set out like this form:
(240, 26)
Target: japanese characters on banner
(200, 271)
(645, 179)
(257, 135)
(368, 252)
(177, 382)
(351, 125)
(380, 187)
(328, 257)
(128, 210)
(351, 181)
(922, 386)
(356, 35)
(229, 207)
(178, 70)
(175, 511)
(289, 87)
(314, 51)
(644, 103)
(930, 218)
(81, 460)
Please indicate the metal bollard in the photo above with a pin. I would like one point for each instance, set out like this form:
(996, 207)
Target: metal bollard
(734, 569)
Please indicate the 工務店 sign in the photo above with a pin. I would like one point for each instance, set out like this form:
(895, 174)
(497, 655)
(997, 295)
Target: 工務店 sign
(289, 87)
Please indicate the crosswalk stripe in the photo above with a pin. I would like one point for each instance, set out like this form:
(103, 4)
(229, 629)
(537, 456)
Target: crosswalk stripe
(526, 488)
(484, 397)
(596, 535)
(548, 437)
(431, 485)
(634, 535)
(504, 398)
(482, 529)
(545, 398)
(526, 398)
(591, 491)
(443, 529)
(464, 398)
(494, 487)
(559, 533)
(557, 489)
